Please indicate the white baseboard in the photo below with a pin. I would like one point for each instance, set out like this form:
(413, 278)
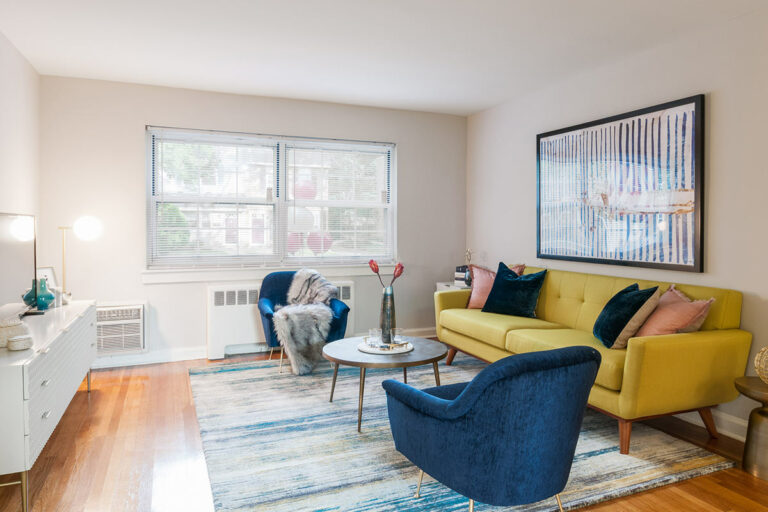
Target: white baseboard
(727, 424)
(186, 354)
(151, 357)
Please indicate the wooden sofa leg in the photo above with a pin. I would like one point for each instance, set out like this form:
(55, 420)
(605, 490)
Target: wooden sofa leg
(625, 432)
(709, 421)
(451, 355)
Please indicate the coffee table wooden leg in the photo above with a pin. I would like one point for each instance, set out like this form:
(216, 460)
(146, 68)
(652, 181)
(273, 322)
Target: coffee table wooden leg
(405, 375)
(437, 373)
(360, 399)
(333, 382)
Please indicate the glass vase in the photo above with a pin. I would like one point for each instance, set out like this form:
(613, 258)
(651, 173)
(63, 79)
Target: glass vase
(387, 314)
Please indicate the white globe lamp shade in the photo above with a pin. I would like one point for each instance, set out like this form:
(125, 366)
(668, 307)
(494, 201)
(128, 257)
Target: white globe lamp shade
(87, 228)
(23, 228)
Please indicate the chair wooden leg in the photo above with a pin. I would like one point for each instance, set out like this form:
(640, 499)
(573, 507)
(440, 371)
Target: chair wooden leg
(271, 351)
(709, 421)
(282, 351)
(625, 432)
(471, 505)
(450, 356)
(559, 503)
(418, 487)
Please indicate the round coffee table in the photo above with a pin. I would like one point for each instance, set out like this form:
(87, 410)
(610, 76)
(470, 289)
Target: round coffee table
(345, 352)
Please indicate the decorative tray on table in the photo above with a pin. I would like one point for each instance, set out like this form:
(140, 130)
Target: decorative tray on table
(385, 348)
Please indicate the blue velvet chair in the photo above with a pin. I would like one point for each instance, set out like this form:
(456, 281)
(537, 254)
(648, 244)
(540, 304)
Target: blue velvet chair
(507, 437)
(274, 292)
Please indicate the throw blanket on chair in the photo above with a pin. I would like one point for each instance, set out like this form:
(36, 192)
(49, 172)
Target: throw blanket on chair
(302, 326)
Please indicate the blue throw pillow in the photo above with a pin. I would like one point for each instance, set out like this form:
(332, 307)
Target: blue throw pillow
(514, 295)
(624, 314)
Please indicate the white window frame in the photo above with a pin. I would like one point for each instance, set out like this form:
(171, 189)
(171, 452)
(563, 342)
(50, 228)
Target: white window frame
(280, 191)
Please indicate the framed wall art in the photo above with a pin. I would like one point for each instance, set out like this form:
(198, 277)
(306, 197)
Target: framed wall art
(625, 190)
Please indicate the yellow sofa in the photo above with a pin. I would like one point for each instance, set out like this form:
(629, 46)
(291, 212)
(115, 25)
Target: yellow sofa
(653, 376)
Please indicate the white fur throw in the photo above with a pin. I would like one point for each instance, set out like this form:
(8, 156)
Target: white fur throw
(303, 325)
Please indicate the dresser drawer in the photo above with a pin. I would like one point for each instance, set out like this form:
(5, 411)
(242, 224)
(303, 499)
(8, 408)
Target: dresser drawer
(75, 343)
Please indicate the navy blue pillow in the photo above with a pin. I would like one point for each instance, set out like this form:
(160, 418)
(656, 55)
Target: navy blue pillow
(514, 295)
(619, 311)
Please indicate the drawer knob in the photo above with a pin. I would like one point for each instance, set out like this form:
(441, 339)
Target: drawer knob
(45, 383)
(46, 414)
(44, 350)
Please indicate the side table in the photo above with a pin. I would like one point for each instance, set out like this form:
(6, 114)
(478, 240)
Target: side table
(755, 459)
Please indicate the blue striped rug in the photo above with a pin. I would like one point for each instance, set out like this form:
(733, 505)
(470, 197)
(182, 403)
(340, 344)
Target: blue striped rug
(273, 442)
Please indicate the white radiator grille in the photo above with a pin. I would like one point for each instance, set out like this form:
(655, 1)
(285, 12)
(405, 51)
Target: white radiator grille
(120, 329)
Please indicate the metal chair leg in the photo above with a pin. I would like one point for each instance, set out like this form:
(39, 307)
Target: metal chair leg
(281, 359)
(559, 503)
(471, 505)
(271, 351)
(418, 487)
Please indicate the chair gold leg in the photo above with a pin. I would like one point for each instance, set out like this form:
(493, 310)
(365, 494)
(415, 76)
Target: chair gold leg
(559, 503)
(281, 359)
(471, 505)
(418, 487)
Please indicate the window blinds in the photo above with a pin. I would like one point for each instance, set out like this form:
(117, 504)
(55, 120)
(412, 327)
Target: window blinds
(233, 200)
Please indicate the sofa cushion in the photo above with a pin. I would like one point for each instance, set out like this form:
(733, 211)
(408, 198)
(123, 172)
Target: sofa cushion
(514, 295)
(490, 328)
(611, 370)
(624, 314)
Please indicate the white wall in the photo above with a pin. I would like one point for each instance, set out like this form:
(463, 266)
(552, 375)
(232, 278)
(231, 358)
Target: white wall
(19, 84)
(728, 64)
(94, 162)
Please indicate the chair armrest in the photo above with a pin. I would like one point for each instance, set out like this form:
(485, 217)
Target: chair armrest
(424, 403)
(338, 308)
(266, 308)
(449, 299)
(677, 372)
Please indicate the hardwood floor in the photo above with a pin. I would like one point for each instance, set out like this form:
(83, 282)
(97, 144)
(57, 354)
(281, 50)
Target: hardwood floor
(134, 445)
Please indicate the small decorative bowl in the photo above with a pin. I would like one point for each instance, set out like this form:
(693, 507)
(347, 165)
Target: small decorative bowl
(761, 364)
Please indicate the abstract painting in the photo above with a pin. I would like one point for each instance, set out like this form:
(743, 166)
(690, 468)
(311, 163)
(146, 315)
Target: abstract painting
(625, 190)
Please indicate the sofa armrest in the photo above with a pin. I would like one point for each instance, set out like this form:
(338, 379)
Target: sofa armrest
(266, 308)
(449, 299)
(426, 403)
(338, 308)
(677, 372)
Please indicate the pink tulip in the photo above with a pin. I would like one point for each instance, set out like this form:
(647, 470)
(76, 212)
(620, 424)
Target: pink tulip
(399, 269)
(374, 266)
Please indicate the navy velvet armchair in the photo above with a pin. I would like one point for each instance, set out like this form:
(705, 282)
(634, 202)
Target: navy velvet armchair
(507, 437)
(274, 290)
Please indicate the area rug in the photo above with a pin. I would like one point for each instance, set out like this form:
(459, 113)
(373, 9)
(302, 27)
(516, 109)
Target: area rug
(273, 442)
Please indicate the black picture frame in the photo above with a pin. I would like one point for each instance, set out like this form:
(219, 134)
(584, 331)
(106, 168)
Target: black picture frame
(692, 236)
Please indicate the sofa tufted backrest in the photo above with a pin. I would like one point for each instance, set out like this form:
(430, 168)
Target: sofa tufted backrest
(576, 299)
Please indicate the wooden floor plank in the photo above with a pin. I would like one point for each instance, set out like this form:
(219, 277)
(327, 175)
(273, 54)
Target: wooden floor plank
(133, 444)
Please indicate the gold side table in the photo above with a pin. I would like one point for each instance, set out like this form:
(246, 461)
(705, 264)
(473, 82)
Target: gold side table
(756, 443)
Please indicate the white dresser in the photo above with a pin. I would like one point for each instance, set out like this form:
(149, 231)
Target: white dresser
(37, 384)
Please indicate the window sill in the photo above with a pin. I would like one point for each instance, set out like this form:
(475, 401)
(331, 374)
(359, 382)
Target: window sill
(183, 276)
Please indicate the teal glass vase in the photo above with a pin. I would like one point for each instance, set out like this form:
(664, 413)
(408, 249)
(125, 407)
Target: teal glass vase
(29, 297)
(44, 296)
(387, 314)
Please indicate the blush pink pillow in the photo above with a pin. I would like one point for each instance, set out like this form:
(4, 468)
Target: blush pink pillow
(675, 313)
(482, 281)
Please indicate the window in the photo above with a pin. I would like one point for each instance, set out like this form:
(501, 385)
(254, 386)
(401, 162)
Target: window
(235, 200)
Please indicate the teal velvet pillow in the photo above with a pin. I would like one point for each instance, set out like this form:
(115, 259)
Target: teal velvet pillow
(624, 314)
(514, 295)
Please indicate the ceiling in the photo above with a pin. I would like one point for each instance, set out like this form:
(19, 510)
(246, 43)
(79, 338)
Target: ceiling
(448, 56)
